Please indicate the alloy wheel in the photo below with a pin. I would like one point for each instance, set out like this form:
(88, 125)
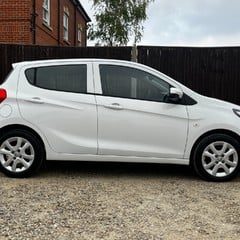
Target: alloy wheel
(219, 159)
(16, 154)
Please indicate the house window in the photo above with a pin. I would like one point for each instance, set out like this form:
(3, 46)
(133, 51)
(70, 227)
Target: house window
(79, 35)
(65, 24)
(46, 11)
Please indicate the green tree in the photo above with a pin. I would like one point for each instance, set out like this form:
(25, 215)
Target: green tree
(118, 21)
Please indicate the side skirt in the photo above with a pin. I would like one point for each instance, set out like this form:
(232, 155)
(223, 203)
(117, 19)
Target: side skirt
(109, 158)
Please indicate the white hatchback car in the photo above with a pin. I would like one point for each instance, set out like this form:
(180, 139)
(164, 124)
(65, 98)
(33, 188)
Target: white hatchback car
(110, 110)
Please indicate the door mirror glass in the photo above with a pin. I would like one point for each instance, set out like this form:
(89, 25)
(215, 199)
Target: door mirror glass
(175, 95)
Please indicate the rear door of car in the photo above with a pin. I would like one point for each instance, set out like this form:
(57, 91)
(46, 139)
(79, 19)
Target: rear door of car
(55, 99)
(133, 117)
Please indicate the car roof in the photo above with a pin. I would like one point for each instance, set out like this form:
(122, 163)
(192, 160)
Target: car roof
(73, 60)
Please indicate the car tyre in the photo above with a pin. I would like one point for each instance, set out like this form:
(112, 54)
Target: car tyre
(21, 153)
(216, 158)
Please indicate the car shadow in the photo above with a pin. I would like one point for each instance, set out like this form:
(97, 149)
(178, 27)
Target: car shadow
(109, 169)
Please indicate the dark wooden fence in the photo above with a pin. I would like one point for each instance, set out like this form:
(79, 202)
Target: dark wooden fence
(213, 72)
(16, 53)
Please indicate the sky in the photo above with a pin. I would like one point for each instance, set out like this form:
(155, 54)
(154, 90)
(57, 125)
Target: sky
(189, 23)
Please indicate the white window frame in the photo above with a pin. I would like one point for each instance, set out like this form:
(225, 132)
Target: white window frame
(46, 11)
(79, 35)
(65, 24)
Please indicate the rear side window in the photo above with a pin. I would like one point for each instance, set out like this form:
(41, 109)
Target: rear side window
(68, 78)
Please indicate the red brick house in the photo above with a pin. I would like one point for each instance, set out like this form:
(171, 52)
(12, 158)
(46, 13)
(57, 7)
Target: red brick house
(43, 22)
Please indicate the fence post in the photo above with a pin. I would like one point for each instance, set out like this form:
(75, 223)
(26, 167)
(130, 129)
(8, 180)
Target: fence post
(134, 53)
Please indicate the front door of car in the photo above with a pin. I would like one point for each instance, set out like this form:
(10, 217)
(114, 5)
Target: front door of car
(55, 100)
(134, 118)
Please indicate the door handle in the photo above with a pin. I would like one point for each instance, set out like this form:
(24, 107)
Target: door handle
(35, 100)
(114, 106)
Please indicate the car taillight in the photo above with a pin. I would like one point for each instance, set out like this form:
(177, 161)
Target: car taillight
(3, 94)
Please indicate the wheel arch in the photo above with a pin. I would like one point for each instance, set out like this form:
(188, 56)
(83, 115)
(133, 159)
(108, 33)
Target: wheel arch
(26, 128)
(216, 131)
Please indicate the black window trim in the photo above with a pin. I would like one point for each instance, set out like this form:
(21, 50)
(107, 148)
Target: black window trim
(186, 100)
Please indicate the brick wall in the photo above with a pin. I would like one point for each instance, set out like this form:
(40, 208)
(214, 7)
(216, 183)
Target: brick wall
(48, 35)
(15, 21)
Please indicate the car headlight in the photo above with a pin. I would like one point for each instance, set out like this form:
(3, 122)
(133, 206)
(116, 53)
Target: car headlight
(237, 112)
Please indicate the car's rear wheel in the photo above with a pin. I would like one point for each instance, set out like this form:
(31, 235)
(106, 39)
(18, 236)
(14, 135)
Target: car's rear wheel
(21, 153)
(216, 157)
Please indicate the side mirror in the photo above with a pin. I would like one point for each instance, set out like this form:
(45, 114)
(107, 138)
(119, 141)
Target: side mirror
(175, 95)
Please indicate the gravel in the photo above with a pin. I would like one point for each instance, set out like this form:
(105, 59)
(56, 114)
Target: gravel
(118, 201)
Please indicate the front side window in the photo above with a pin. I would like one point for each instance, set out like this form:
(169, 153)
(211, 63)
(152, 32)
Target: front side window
(127, 82)
(46, 11)
(65, 24)
(68, 78)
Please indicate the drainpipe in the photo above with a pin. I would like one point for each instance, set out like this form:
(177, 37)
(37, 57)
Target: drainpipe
(34, 15)
(75, 25)
(59, 23)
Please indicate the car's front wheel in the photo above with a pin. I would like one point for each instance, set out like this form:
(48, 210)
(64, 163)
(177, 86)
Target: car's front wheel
(216, 157)
(21, 153)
